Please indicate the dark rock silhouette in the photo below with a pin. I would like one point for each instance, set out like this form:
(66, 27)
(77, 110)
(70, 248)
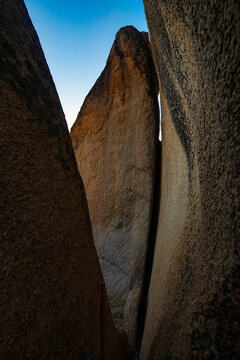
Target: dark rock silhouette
(53, 302)
(193, 301)
(115, 138)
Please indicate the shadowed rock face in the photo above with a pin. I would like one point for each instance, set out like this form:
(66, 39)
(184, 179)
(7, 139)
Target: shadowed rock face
(114, 138)
(53, 302)
(193, 304)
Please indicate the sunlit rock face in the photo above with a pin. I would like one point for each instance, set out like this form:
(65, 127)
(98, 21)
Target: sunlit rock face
(53, 302)
(193, 304)
(114, 139)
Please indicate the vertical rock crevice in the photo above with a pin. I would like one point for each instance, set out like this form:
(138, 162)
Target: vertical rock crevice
(153, 226)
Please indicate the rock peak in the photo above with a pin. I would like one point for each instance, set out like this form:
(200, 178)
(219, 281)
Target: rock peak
(128, 30)
(130, 42)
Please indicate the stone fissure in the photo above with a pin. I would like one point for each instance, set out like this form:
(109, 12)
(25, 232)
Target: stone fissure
(150, 247)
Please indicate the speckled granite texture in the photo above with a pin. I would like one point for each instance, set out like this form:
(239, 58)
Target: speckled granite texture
(193, 302)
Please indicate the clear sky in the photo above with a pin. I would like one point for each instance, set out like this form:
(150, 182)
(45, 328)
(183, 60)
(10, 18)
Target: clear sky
(76, 36)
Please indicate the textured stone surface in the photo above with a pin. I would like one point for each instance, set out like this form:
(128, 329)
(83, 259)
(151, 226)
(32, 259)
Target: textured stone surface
(53, 302)
(114, 139)
(193, 302)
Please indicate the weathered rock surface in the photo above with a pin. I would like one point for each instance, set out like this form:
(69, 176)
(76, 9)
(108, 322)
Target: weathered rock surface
(53, 302)
(114, 138)
(193, 302)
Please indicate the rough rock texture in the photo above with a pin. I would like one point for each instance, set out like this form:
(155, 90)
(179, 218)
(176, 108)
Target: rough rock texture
(114, 139)
(53, 302)
(193, 302)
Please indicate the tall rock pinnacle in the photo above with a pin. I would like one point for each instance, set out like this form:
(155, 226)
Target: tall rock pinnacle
(114, 139)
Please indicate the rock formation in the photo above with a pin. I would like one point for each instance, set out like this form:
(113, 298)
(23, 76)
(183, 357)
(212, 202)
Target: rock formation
(193, 303)
(53, 302)
(114, 138)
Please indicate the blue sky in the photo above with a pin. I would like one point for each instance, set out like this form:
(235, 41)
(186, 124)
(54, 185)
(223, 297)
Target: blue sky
(76, 36)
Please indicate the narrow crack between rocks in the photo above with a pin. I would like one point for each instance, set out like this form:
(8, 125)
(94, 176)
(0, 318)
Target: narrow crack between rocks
(150, 249)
